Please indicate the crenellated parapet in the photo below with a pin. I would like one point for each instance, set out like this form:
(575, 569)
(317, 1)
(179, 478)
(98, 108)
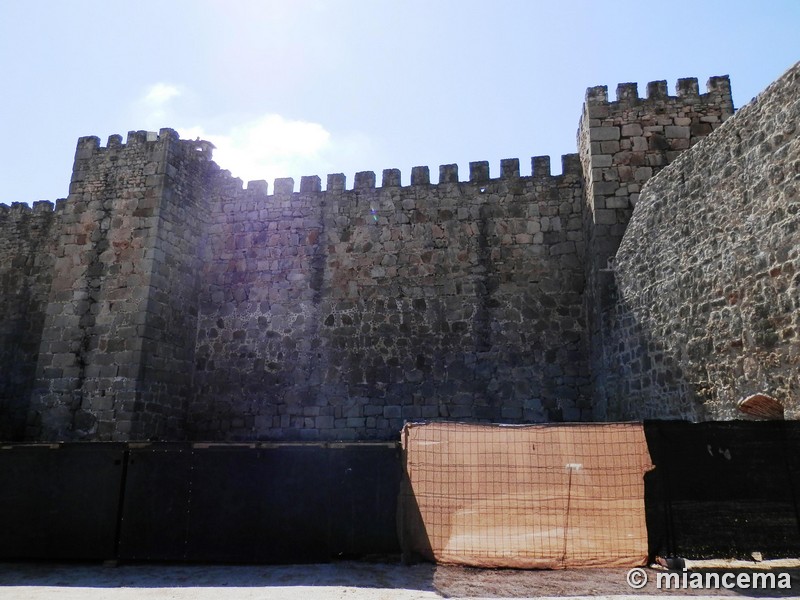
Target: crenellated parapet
(22, 208)
(718, 89)
(647, 133)
(89, 146)
(479, 173)
(623, 143)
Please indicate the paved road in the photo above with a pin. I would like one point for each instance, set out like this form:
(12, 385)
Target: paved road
(344, 580)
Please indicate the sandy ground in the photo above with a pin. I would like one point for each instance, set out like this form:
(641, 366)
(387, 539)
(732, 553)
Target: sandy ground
(344, 580)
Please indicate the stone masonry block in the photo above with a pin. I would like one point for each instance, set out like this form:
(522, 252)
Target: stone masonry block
(448, 173)
(605, 216)
(676, 131)
(601, 134)
(509, 168)
(364, 180)
(391, 178)
(420, 176)
(479, 171)
(310, 183)
(631, 129)
(284, 186)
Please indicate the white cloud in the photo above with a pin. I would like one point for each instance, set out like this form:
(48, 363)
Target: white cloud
(153, 104)
(264, 147)
(273, 146)
(159, 94)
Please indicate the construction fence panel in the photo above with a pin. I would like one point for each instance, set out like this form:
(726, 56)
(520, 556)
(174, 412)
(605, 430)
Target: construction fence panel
(539, 496)
(727, 489)
(60, 501)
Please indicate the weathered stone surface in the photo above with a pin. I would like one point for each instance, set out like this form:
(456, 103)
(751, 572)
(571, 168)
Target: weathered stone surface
(26, 252)
(391, 303)
(640, 151)
(707, 291)
(163, 300)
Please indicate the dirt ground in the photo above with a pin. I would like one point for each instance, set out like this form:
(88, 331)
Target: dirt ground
(343, 580)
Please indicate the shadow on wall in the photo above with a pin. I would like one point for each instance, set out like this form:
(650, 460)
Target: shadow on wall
(707, 278)
(18, 348)
(640, 375)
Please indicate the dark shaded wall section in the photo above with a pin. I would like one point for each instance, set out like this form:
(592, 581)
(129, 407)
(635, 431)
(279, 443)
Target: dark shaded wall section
(169, 320)
(25, 274)
(707, 277)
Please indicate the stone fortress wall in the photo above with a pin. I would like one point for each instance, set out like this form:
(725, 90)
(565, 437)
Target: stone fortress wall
(707, 307)
(341, 313)
(162, 300)
(26, 268)
(622, 144)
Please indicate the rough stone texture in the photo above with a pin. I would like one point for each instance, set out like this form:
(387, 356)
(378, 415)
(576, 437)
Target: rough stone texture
(25, 273)
(340, 314)
(163, 300)
(622, 144)
(170, 324)
(115, 355)
(708, 274)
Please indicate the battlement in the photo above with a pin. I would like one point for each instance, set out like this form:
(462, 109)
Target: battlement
(20, 208)
(90, 145)
(479, 173)
(685, 89)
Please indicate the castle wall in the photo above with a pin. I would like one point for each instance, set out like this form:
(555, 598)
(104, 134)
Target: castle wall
(25, 273)
(169, 321)
(622, 145)
(340, 314)
(162, 300)
(112, 328)
(707, 304)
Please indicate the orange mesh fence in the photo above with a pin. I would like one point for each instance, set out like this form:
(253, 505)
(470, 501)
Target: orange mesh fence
(539, 496)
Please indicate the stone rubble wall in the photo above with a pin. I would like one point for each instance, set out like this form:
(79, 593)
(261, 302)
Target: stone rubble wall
(339, 314)
(707, 307)
(622, 145)
(109, 333)
(90, 350)
(170, 322)
(25, 273)
(162, 300)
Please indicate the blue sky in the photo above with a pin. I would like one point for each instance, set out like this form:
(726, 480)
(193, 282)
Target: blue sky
(304, 87)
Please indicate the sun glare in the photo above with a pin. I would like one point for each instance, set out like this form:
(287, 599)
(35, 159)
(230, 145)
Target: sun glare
(267, 147)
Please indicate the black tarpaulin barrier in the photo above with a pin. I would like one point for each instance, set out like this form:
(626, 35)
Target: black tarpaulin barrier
(724, 489)
(60, 501)
(263, 503)
(155, 511)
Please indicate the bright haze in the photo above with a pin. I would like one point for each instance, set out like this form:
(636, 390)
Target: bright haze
(300, 87)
